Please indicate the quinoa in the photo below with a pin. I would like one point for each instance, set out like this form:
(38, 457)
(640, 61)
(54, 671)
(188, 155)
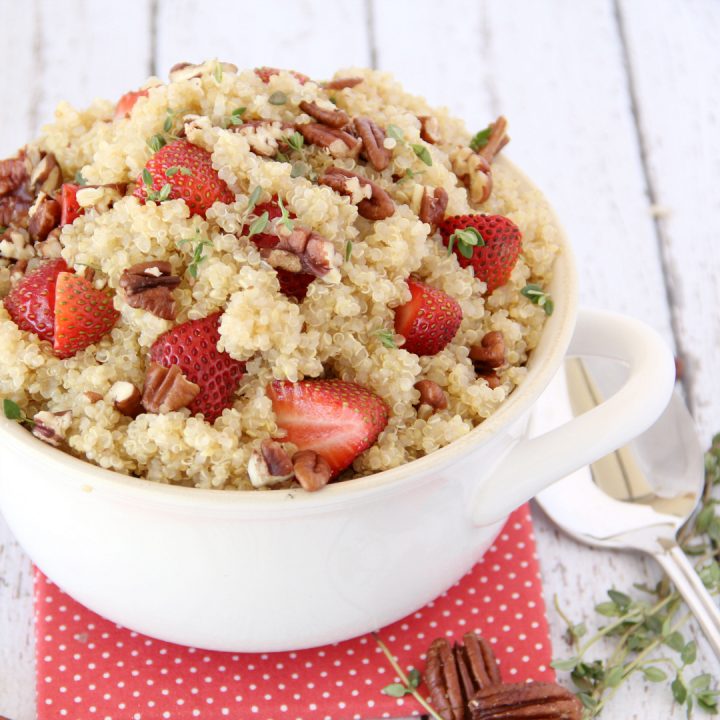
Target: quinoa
(336, 331)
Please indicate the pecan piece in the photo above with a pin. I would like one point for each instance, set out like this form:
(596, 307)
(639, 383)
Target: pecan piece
(489, 354)
(429, 129)
(476, 664)
(474, 172)
(46, 175)
(51, 427)
(311, 470)
(442, 679)
(44, 216)
(341, 83)
(269, 465)
(497, 141)
(188, 71)
(13, 174)
(432, 397)
(339, 143)
(533, 701)
(167, 389)
(331, 118)
(148, 286)
(377, 207)
(432, 207)
(316, 254)
(373, 137)
(126, 398)
(265, 137)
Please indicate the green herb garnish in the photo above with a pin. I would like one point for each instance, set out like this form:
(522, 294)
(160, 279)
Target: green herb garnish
(80, 179)
(252, 200)
(218, 72)
(3, 228)
(281, 157)
(395, 132)
(386, 337)
(277, 98)
(285, 216)
(13, 411)
(198, 254)
(236, 116)
(299, 169)
(348, 250)
(161, 196)
(147, 177)
(481, 139)
(296, 141)
(537, 295)
(157, 142)
(467, 240)
(423, 153)
(175, 169)
(259, 224)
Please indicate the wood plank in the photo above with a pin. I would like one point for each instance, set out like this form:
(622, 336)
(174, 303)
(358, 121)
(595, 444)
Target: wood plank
(675, 65)
(303, 36)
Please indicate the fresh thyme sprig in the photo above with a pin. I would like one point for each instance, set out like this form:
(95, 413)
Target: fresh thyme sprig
(13, 411)
(538, 296)
(640, 628)
(198, 245)
(386, 338)
(419, 149)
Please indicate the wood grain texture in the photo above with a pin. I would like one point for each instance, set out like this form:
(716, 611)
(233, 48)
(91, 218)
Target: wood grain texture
(675, 66)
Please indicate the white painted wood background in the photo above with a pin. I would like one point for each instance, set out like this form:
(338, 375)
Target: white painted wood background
(614, 109)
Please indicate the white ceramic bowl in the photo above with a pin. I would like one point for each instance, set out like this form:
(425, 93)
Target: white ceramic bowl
(285, 570)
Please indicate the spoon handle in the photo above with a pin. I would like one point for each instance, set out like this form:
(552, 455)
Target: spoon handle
(695, 594)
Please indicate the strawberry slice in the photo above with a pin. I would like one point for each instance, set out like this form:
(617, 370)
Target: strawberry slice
(265, 73)
(126, 103)
(70, 207)
(83, 314)
(336, 419)
(294, 285)
(429, 321)
(192, 346)
(183, 170)
(493, 254)
(31, 303)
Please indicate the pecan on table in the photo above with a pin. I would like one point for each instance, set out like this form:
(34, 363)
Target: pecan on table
(373, 138)
(339, 143)
(377, 207)
(331, 118)
(476, 664)
(443, 681)
(149, 285)
(533, 700)
(429, 129)
(432, 207)
(269, 465)
(311, 470)
(167, 389)
(341, 83)
(44, 216)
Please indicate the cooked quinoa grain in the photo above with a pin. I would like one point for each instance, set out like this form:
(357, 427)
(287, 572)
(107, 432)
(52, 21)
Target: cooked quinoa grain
(343, 328)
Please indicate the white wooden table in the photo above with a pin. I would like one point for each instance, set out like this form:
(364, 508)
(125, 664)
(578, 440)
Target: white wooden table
(614, 109)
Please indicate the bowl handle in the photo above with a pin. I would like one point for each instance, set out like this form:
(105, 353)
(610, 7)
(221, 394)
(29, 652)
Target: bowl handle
(534, 464)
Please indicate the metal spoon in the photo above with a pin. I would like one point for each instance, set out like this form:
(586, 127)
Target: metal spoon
(638, 497)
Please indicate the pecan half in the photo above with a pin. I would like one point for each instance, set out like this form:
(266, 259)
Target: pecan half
(51, 427)
(331, 118)
(269, 465)
(339, 143)
(377, 207)
(44, 216)
(148, 286)
(476, 664)
(429, 129)
(533, 700)
(126, 398)
(167, 389)
(13, 174)
(442, 679)
(373, 137)
(311, 470)
(341, 83)
(489, 354)
(432, 207)
(432, 397)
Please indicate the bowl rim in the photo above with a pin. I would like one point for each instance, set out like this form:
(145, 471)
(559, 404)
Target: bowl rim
(542, 365)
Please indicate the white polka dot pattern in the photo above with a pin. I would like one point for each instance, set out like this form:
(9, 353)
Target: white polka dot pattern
(91, 668)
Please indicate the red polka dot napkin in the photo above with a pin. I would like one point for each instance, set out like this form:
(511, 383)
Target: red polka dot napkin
(88, 667)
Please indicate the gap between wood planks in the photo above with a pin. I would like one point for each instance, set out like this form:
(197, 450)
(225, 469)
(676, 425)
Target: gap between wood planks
(653, 198)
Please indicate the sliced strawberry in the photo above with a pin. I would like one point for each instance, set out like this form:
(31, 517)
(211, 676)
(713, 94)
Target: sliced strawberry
(192, 346)
(265, 73)
(70, 207)
(292, 284)
(83, 314)
(429, 321)
(31, 303)
(493, 261)
(183, 170)
(126, 103)
(336, 419)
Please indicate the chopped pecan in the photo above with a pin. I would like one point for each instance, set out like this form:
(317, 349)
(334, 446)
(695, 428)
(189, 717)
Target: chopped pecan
(187, 71)
(13, 174)
(92, 396)
(148, 286)
(167, 389)
(126, 398)
(429, 129)
(316, 254)
(265, 137)
(341, 83)
(269, 465)
(373, 137)
(489, 354)
(443, 682)
(331, 118)
(431, 396)
(51, 427)
(473, 170)
(46, 175)
(432, 207)
(339, 143)
(44, 216)
(282, 259)
(51, 247)
(533, 700)
(377, 207)
(497, 141)
(311, 470)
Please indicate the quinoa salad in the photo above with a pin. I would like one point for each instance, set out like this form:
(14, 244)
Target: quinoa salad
(250, 279)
